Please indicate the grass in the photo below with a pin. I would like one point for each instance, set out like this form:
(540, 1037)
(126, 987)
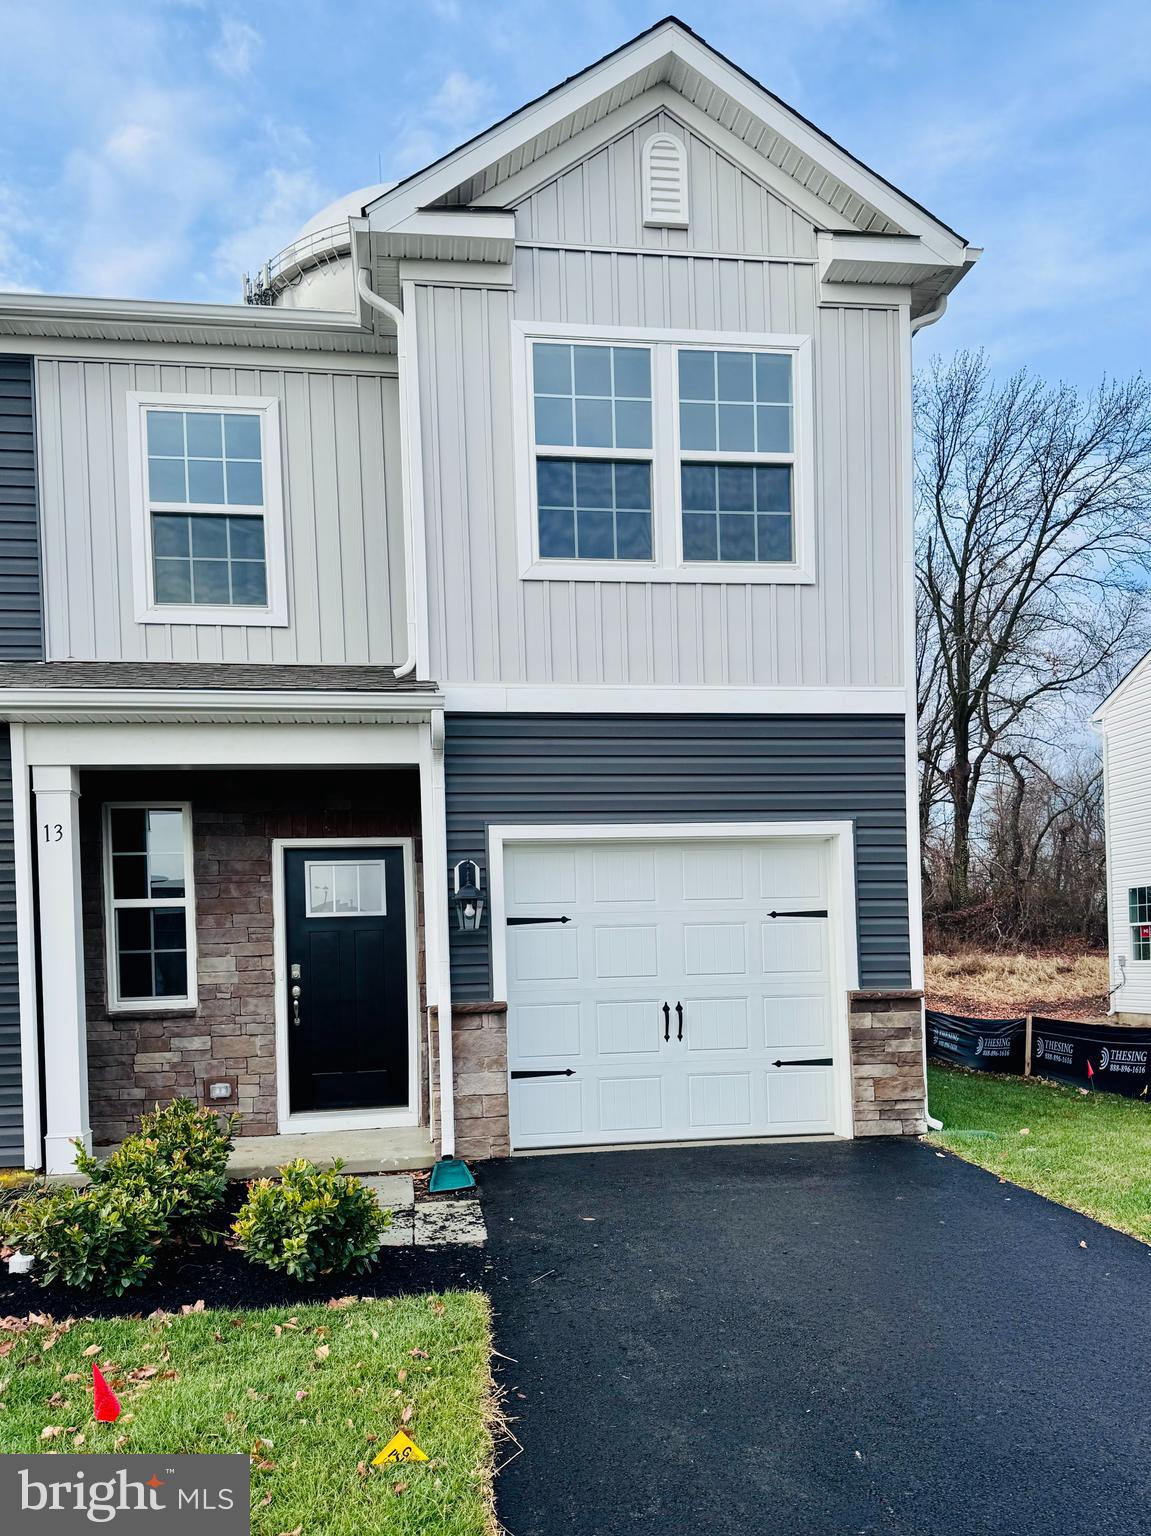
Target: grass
(989, 985)
(311, 1395)
(1091, 1152)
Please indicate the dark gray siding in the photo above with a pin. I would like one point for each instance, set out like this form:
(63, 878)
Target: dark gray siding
(507, 768)
(11, 1096)
(21, 627)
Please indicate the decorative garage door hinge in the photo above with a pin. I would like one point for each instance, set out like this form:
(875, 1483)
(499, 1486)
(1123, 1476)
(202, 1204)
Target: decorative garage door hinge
(560, 1072)
(812, 1061)
(819, 912)
(520, 922)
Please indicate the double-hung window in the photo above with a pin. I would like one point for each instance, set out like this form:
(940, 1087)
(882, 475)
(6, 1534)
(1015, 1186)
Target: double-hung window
(1139, 915)
(208, 513)
(149, 907)
(666, 456)
(593, 437)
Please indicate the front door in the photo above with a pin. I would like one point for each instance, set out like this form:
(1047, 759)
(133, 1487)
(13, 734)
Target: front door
(346, 977)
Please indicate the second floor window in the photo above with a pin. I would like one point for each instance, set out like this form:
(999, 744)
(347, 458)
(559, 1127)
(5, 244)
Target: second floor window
(209, 520)
(678, 454)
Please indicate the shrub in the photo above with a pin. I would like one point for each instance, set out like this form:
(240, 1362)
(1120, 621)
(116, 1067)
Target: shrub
(180, 1158)
(102, 1238)
(310, 1222)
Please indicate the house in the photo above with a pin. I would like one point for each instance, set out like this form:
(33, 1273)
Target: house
(1124, 724)
(465, 693)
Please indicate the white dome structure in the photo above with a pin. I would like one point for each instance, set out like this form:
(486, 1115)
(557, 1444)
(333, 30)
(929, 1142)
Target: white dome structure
(315, 270)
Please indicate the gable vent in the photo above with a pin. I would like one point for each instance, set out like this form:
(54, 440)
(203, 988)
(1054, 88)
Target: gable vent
(665, 181)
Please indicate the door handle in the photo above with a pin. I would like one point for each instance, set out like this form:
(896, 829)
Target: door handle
(679, 1014)
(296, 1006)
(666, 1022)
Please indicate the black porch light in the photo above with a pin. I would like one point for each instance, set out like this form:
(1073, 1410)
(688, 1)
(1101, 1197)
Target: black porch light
(467, 897)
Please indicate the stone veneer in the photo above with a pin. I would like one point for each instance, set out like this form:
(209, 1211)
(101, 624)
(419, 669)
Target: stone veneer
(480, 1075)
(137, 1059)
(888, 1088)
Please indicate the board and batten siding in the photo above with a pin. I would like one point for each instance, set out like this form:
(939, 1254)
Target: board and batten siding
(599, 202)
(21, 632)
(573, 768)
(342, 506)
(1127, 790)
(11, 1083)
(487, 624)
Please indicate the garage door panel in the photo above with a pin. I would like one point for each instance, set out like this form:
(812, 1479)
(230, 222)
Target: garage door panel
(545, 1030)
(543, 954)
(797, 1023)
(628, 1028)
(658, 924)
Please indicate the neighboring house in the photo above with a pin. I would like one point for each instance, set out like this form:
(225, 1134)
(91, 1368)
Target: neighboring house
(543, 529)
(1124, 721)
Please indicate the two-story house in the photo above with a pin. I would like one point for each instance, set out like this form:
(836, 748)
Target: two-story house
(465, 693)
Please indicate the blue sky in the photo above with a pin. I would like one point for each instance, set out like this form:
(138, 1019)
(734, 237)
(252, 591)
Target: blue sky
(157, 148)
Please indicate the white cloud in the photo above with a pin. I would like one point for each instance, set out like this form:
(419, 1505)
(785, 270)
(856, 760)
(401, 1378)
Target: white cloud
(460, 99)
(274, 210)
(455, 109)
(235, 48)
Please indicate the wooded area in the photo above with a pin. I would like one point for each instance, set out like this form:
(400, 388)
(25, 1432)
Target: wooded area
(1033, 513)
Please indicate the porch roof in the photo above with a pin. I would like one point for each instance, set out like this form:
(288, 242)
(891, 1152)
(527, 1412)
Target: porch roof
(177, 675)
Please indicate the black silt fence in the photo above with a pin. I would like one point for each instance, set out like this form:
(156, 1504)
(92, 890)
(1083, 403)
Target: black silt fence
(1101, 1057)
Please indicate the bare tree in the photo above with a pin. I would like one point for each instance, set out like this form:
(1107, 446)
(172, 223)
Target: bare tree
(1034, 546)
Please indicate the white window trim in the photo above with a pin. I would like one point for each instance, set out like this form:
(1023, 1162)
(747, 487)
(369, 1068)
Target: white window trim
(667, 564)
(274, 614)
(112, 904)
(310, 864)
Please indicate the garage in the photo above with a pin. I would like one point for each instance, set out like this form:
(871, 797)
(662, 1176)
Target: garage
(665, 988)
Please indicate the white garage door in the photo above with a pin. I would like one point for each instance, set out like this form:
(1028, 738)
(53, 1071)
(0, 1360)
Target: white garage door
(668, 991)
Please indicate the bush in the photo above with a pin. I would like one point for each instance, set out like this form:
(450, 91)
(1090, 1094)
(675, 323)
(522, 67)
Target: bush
(102, 1238)
(310, 1222)
(180, 1158)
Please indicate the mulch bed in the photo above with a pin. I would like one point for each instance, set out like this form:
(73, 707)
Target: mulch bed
(223, 1278)
(1087, 1009)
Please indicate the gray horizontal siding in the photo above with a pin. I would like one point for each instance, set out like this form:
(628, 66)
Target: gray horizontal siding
(11, 1088)
(21, 628)
(509, 768)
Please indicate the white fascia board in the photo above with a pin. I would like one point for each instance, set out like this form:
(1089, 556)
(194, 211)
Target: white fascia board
(459, 224)
(247, 706)
(666, 41)
(1119, 693)
(254, 319)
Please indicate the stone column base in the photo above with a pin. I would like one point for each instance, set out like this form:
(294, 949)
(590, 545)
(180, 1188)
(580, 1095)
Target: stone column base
(480, 1068)
(889, 1093)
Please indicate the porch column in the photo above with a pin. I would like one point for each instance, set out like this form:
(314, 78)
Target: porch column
(57, 832)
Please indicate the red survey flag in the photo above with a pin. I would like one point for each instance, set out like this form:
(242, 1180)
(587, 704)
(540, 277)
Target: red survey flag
(1090, 1071)
(105, 1403)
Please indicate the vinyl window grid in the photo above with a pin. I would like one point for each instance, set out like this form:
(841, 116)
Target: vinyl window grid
(668, 562)
(269, 512)
(115, 904)
(1139, 915)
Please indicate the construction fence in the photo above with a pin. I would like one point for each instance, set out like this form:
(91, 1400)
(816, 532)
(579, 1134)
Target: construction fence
(1101, 1057)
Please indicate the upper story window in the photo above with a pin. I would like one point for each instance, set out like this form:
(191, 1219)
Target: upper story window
(1139, 914)
(666, 456)
(149, 909)
(595, 500)
(208, 516)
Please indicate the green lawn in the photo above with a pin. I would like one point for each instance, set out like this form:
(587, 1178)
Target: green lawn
(1089, 1151)
(311, 1395)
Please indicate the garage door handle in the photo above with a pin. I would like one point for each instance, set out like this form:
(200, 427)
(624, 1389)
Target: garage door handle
(555, 1072)
(666, 1022)
(679, 1015)
(813, 1061)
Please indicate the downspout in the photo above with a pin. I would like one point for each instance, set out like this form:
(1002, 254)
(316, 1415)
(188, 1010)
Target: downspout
(439, 983)
(929, 316)
(396, 316)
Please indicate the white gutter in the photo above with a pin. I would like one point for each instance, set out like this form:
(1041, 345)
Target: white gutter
(929, 317)
(396, 316)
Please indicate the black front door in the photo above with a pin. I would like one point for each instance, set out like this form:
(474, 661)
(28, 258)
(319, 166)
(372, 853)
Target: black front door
(347, 977)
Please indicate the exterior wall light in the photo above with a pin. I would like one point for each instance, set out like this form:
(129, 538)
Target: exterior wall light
(467, 897)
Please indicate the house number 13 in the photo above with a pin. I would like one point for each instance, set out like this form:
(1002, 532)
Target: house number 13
(53, 831)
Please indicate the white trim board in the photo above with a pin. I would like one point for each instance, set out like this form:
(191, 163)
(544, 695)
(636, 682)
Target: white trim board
(841, 899)
(630, 699)
(362, 1119)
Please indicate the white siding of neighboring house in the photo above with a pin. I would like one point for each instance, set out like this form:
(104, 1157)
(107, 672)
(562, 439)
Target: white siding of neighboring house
(489, 625)
(1127, 788)
(342, 503)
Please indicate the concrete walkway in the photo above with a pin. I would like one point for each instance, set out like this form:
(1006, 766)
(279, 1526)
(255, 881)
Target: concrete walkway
(853, 1339)
(386, 1151)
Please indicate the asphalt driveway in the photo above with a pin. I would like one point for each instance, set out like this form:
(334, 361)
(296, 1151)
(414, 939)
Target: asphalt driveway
(813, 1340)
